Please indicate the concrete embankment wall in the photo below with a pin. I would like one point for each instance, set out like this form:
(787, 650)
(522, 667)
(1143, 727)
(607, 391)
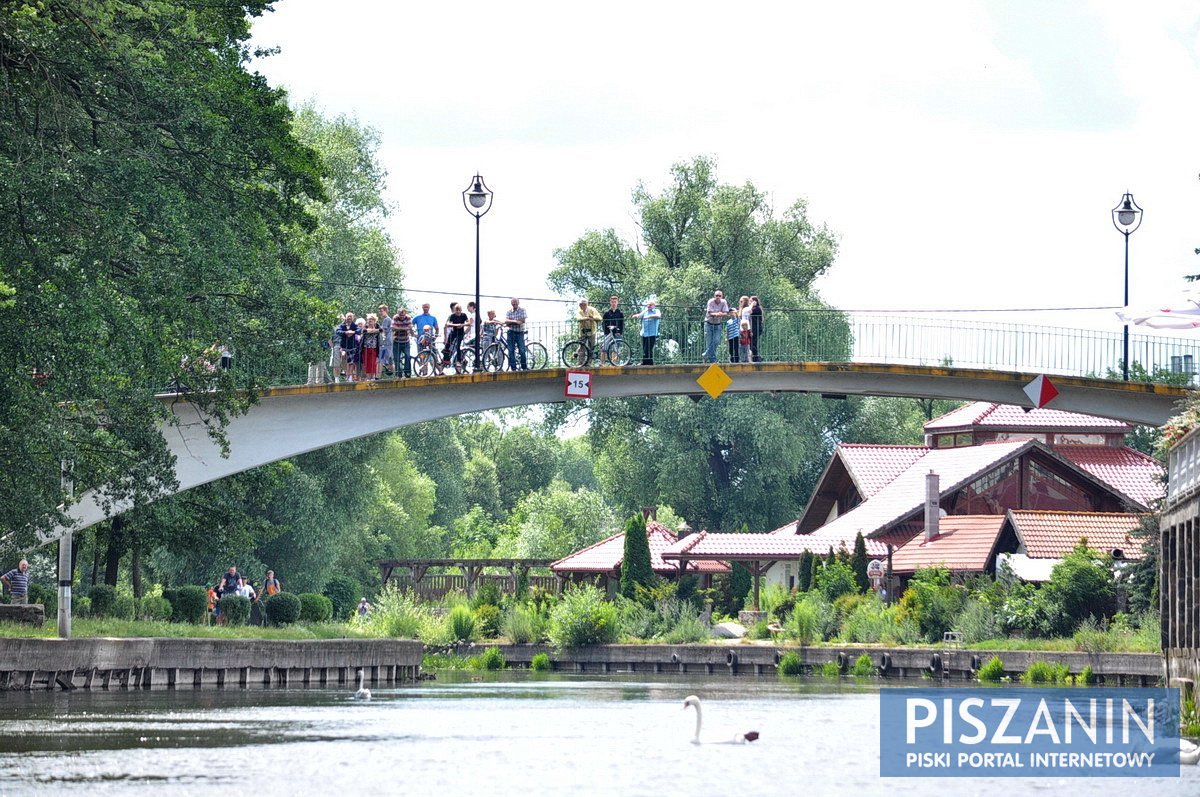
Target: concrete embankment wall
(203, 663)
(1130, 669)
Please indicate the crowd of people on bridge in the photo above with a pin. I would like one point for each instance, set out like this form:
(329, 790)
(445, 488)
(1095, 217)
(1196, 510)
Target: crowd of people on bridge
(385, 344)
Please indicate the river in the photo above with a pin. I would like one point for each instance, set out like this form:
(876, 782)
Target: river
(507, 733)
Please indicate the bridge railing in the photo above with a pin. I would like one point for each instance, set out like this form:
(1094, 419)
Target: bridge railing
(831, 336)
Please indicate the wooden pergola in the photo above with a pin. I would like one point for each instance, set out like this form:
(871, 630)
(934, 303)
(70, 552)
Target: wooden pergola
(472, 569)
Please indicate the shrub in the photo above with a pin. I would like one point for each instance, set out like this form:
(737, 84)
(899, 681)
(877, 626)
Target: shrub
(1081, 585)
(1087, 675)
(46, 596)
(155, 607)
(772, 598)
(681, 622)
(314, 608)
(491, 659)
(124, 607)
(977, 622)
(993, 671)
(235, 609)
(932, 602)
(836, 579)
(1091, 638)
(863, 668)
(488, 594)
(81, 607)
(191, 605)
(283, 608)
(859, 562)
(522, 624)
(103, 597)
(583, 617)
(397, 614)
(760, 630)
(830, 669)
(344, 593)
(790, 664)
(813, 620)
(171, 596)
(487, 617)
(461, 623)
(1044, 672)
(540, 662)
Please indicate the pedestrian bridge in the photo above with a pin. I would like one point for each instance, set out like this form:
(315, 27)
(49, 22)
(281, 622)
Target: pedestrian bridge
(288, 421)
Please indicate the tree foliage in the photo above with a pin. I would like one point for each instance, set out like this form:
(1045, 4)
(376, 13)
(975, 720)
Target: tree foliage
(635, 564)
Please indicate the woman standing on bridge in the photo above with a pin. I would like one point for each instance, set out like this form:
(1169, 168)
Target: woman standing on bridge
(372, 337)
(756, 326)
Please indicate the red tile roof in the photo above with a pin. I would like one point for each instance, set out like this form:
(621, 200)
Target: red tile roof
(964, 544)
(1053, 535)
(986, 414)
(606, 556)
(1130, 472)
(905, 494)
(733, 547)
(872, 467)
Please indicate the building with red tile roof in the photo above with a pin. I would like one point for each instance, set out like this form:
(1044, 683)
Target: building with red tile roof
(1053, 535)
(964, 544)
(602, 560)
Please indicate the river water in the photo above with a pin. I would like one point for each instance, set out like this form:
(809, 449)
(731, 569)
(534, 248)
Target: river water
(507, 733)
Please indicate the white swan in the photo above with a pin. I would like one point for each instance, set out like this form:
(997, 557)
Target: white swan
(363, 693)
(721, 737)
(1189, 753)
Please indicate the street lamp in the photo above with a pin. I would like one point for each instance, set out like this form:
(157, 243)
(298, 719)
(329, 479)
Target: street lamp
(477, 199)
(1127, 217)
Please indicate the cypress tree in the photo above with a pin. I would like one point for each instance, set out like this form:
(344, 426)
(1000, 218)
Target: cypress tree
(804, 577)
(814, 564)
(858, 563)
(635, 565)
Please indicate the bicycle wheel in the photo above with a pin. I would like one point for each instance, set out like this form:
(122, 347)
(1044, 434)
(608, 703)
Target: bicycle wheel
(425, 364)
(466, 362)
(617, 352)
(576, 355)
(493, 358)
(536, 356)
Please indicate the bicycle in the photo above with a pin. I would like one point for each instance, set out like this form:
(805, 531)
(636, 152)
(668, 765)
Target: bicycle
(430, 362)
(495, 356)
(582, 353)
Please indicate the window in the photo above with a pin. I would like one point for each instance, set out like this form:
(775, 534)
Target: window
(1079, 440)
(1012, 437)
(1182, 364)
(994, 493)
(953, 440)
(1049, 491)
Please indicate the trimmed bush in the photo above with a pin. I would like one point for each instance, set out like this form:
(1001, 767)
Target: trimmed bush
(235, 609)
(283, 608)
(314, 608)
(344, 593)
(487, 617)
(171, 596)
(461, 623)
(103, 597)
(125, 607)
(583, 617)
(993, 671)
(790, 664)
(155, 607)
(540, 662)
(191, 605)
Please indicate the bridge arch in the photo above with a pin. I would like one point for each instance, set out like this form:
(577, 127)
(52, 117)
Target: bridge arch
(289, 421)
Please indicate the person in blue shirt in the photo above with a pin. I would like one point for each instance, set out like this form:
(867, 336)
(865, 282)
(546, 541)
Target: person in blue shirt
(651, 317)
(425, 320)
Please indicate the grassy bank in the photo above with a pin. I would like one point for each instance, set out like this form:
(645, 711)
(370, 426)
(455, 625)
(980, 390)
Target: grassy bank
(132, 629)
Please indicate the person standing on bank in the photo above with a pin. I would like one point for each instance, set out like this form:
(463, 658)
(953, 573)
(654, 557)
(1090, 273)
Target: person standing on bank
(651, 317)
(271, 585)
(16, 581)
(515, 319)
(756, 326)
(715, 313)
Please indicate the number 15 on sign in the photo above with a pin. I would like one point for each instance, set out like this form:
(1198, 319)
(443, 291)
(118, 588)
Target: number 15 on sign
(579, 384)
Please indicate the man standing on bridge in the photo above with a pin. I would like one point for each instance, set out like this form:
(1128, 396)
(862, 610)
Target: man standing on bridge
(715, 313)
(514, 319)
(426, 320)
(614, 324)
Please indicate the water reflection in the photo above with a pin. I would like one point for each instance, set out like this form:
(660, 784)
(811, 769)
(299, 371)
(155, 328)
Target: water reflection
(493, 733)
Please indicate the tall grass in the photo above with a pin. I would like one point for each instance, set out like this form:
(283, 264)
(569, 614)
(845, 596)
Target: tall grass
(396, 614)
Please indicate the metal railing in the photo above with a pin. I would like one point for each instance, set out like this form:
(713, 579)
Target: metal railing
(832, 336)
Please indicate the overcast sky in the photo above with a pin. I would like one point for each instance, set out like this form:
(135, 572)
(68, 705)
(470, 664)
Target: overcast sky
(967, 154)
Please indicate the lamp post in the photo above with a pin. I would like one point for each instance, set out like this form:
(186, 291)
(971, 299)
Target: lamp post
(477, 199)
(1127, 217)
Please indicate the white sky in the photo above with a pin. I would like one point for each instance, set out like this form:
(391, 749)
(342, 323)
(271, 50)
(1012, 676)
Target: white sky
(966, 153)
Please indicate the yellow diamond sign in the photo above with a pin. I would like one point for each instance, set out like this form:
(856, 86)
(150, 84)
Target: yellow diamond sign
(714, 380)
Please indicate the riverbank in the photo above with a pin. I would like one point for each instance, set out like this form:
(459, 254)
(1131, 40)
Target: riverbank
(68, 664)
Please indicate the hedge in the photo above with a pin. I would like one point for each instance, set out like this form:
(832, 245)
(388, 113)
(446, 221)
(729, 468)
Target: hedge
(235, 609)
(283, 608)
(315, 608)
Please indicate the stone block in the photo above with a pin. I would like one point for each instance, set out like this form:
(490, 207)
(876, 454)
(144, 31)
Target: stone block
(748, 618)
(729, 630)
(29, 613)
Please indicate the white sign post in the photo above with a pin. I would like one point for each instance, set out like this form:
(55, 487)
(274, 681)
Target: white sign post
(579, 385)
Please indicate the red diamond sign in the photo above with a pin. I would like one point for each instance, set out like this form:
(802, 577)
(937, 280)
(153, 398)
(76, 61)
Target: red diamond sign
(1041, 392)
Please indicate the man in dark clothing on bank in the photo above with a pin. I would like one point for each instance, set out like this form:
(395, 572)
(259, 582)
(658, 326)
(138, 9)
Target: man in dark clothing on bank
(229, 583)
(613, 323)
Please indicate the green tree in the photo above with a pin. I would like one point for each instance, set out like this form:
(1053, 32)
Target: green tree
(635, 564)
(804, 572)
(859, 562)
(149, 186)
(482, 482)
(526, 461)
(1082, 586)
(554, 522)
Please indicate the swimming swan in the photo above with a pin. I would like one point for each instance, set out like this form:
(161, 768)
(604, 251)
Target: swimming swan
(363, 693)
(1189, 753)
(721, 737)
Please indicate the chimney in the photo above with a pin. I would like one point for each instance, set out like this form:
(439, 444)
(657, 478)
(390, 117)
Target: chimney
(932, 510)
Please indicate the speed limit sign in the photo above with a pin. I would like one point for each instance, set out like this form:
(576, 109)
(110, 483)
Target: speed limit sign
(579, 385)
